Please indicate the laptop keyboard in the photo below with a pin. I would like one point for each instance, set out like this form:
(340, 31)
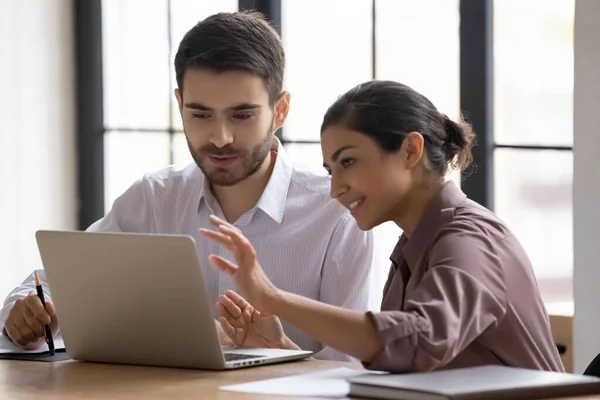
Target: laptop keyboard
(238, 357)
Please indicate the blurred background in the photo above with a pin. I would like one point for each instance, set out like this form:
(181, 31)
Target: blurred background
(87, 105)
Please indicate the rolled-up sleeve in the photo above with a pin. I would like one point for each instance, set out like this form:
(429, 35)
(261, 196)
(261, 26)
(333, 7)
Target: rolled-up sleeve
(461, 294)
(345, 274)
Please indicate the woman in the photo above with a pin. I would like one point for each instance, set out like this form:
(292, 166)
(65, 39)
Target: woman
(461, 290)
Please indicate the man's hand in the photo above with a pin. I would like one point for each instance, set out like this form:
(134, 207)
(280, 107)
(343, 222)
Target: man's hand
(247, 327)
(26, 320)
(224, 339)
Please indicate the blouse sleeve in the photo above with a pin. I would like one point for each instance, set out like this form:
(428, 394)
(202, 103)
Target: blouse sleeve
(460, 296)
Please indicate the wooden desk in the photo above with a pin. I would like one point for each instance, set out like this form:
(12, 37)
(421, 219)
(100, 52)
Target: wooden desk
(74, 380)
(77, 380)
(562, 332)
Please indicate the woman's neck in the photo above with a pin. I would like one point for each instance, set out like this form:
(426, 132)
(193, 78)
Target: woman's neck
(414, 205)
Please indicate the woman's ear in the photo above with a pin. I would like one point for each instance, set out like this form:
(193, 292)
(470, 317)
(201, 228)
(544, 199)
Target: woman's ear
(412, 149)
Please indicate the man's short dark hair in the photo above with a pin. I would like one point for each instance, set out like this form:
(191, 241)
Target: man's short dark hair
(238, 41)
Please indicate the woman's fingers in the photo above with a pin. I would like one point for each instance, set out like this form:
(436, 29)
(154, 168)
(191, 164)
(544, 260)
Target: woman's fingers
(223, 265)
(219, 237)
(233, 239)
(216, 221)
(247, 254)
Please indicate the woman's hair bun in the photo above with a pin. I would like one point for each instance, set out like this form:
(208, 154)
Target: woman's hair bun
(459, 140)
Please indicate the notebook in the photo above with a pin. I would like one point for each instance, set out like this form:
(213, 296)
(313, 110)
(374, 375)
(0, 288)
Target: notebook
(485, 382)
(10, 351)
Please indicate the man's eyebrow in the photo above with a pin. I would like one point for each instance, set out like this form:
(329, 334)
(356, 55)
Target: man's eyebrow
(239, 107)
(197, 106)
(245, 107)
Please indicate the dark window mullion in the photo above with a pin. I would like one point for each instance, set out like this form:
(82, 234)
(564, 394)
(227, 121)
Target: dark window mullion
(301, 142)
(171, 129)
(373, 39)
(90, 111)
(532, 147)
(477, 94)
(140, 129)
(271, 9)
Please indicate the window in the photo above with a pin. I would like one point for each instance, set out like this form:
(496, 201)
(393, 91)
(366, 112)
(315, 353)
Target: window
(324, 61)
(417, 43)
(333, 45)
(321, 63)
(143, 130)
(533, 134)
(337, 53)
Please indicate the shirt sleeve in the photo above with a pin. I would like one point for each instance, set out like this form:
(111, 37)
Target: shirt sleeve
(460, 296)
(131, 212)
(345, 274)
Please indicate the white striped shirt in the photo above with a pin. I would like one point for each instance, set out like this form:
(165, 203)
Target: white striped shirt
(306, 242)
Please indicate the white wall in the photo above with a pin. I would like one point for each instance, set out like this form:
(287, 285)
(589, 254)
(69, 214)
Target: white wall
(37, 138)
(586, 183)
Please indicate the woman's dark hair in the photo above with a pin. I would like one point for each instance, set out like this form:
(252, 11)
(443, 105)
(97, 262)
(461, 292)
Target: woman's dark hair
(387, 111)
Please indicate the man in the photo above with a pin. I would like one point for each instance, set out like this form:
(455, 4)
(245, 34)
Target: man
(229, 71)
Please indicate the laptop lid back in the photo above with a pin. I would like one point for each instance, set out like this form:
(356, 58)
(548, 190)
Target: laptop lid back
(131, 298)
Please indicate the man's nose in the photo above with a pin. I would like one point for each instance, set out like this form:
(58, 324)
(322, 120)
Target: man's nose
(221, 136)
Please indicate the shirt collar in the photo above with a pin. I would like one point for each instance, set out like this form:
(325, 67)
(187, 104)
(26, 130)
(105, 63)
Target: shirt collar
(206, 195)
(272, 200)
(438, 212)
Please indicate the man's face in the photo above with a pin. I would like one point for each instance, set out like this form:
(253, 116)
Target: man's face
(228, 122)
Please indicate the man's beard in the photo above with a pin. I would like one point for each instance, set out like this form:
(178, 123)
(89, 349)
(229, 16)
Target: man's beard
(251, 161)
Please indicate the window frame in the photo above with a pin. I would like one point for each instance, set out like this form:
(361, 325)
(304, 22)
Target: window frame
(476, 98)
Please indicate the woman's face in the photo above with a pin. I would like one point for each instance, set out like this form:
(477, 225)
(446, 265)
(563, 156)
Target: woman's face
(371, 183)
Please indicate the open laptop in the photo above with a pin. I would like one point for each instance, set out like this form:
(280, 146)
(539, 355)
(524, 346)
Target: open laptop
(138, 299)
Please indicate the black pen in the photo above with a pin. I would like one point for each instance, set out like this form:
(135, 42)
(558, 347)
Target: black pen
(47, 331)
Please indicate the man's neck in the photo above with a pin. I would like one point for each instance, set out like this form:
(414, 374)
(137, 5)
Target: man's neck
(237, 199)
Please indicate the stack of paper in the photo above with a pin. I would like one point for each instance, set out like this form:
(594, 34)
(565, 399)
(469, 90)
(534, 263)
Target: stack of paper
(10, 351)
(8, 347)
(331, 383)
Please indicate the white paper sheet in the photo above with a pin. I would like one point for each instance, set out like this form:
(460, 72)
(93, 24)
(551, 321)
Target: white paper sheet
(330, 383)
(6, 346)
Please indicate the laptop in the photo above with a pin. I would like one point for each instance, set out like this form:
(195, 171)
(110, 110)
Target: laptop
(138, 299)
